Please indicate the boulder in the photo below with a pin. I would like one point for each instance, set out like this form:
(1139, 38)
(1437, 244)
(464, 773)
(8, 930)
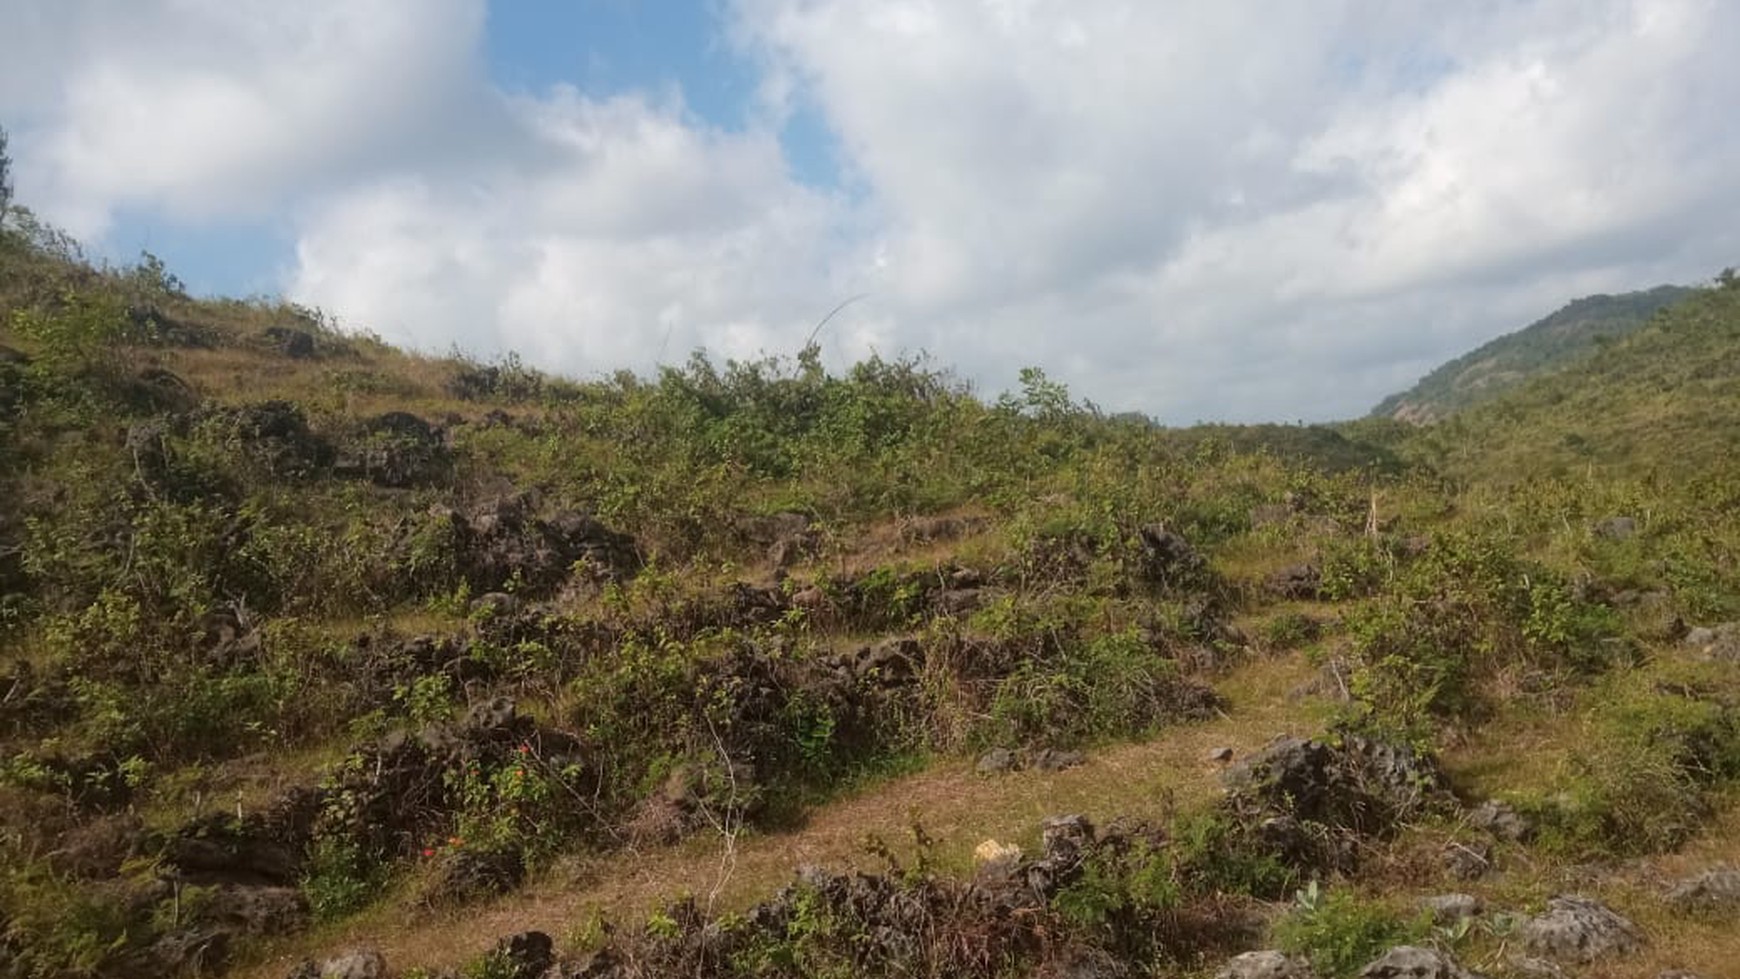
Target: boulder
(1300, 582)
(997, 761)
(219, 849)
(273, 433)
(1717, 642)
(504, 539)
(1064, 845)
(1361, 785)
(1414, 962)
(1713, 890)
(527, 955)
(468, 875)
(395, 450)
(1164, 557)
(1055, 760)
(1501, 821)
(291, 342)
(363, 963)
(1447, 909)
(1468, 861)
(1579, 930)
(1266, 964)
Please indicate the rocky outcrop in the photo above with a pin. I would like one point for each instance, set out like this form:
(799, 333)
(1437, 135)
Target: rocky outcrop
(365, 963)
(289, 341)
(1297, 582)
(1579, 930)
(1362, 784)
(395, 450)
(1308, 801)
(1265, 964)
(506, 539)
(1717, 642)
(1414, 962)
(1713, 891)
(1165, 558)
(1502, 821)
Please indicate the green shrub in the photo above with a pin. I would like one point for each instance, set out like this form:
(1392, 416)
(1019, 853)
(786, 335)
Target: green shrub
(1341, 933)
(1659, 744)
(339, 878)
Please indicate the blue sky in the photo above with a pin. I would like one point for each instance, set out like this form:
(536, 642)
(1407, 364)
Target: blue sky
(1236, 211)
(603, 47)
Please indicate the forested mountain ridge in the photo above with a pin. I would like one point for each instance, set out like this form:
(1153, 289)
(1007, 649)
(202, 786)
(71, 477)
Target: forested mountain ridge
(1551, 343)
(1662, 400)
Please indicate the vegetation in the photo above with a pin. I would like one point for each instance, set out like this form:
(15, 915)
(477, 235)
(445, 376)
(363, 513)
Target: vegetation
(1579, 328)
(297, 629)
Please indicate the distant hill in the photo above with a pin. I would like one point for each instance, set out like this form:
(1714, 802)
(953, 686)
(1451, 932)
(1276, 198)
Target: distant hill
(1664, 399)
(1546, 345)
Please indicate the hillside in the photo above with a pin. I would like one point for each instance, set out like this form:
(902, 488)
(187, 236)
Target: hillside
(1661, 402)
(1549, 344)
(314, 651)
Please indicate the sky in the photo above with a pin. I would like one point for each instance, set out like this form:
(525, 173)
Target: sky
(1245, 210)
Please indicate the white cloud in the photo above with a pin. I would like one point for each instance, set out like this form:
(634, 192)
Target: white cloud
(1227, 211)
(1241, 210)
(608, 234)
(224, 108)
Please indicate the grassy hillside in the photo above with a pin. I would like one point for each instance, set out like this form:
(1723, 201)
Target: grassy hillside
(306, 642)
(1573, 332)
(1664, 401)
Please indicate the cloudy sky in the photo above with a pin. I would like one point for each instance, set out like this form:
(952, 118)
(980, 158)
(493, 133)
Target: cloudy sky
(1231, 210)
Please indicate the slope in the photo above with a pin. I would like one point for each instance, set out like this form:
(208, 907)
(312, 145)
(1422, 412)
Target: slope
(1664, 400)
(305, 640)
(1546, 345)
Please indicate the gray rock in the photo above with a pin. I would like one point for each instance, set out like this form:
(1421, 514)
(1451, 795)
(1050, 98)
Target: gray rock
(1450, 908)
(1579, 930)
(1718, 642)
(1053, 760)
(495, 605)
(294, 343)
(1414, 962)
(1299, 581)
(1361, 784)
(1219, 756)
(362, 963)
(1677, 974)
(1267, 964)
(1166, 558)
(1712, 890)
(1468, 861)
(997, 761)
(1501, 821)
(1066, 837)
